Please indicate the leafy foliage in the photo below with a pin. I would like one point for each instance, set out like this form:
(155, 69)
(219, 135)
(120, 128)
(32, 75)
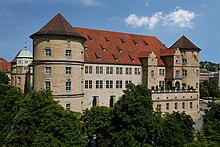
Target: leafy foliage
(209, 89)
(4, 78)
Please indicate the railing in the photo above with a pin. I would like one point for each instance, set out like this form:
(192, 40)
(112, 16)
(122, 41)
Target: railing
(174, 90)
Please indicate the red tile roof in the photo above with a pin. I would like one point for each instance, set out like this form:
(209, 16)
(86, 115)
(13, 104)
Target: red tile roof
(5, 66)
(119, 48)
(58, 25)
(184, 43)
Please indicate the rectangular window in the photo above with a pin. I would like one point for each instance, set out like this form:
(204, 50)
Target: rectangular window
(68, 107)
(99, 84)
(119, 84)
(197, 72)
(177, 60)
(161, 84)
(184, 61)
(184, 72)
(177, 73)
(167, 106)
(128, 71)
(47, 52)
(47, 70)
(68, 85)
(119, 70)
(191, 105)
(127, 82)
(159, 106)
(137, 71)
(109, 84)
(161, 72)
(68, 70)
(152, 73)
(109, 70)
(99, 70)
(183, 105)
(88, 84)
(175, 105)
(68, 53)
(88, 69)
(19, 69)
(48, 85)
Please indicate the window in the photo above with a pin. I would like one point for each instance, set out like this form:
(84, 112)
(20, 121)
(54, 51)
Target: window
(68, 53)
(184, 72)
(118, 84)
(152, 73)
(183, 105)
(111, 101)
(197, 85)
(109, 84)
(175, 105)
(25, 62)
(128, 71)
(167, 106)
(161, 84)
(19, 80)
(26, 68)
(88, 84)
(127, 82)
(95, 101)
(48, 85)
(137, 71)
(68, 70)
(19, 69)
(177, 60)
(68, 85)
(48, 52)
(109, 70)
(68, 106)
(99, 84)
(47, 70)
(159, 106)
(119, 70)
(161, 72)
(88, 69)
(99, 70)
(197, 72)
(184, 61)
(177, 73)
(191, 105)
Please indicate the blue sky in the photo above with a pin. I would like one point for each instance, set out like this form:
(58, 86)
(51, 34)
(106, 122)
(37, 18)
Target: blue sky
(168, 20)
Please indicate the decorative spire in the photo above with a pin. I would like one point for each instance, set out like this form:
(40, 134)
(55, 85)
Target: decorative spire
(25, 43)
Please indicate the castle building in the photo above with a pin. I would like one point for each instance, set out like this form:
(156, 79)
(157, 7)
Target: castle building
(20, 69)
(86, 67)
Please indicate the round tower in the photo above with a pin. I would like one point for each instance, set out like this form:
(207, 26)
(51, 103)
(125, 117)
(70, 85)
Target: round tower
(58, 56)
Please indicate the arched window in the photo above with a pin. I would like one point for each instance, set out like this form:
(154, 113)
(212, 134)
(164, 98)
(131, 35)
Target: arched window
(95, 101)
(111, 101)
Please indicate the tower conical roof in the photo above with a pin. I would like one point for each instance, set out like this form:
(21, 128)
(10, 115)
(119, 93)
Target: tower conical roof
(58, 25)
(184, 43)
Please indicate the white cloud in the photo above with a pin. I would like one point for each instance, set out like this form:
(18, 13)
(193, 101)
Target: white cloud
(146, 4)
(179, 17)
(143, 21)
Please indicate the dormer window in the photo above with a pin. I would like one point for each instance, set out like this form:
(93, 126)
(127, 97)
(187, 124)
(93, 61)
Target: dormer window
(115, 57)
(146, 43)
(103, 48)
(89, 37)
(85, 47)
(135, 43)
(98, 56)
(48, 39)
(131, 58)
(122, 41)
(107, 40)
(119, 49)
(68, 41)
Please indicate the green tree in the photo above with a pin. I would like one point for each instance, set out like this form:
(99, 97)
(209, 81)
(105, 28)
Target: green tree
(4, 78)
(132, 118)
(96, 124)
(40, 121)
(177, 129)
(211, 125)
(9, 99)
